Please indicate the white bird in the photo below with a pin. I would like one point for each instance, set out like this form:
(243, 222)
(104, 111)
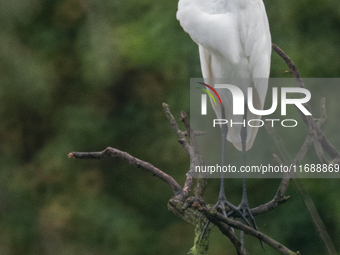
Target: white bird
(234, 43)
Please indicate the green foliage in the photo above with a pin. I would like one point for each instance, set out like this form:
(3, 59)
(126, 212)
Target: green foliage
(80, 75)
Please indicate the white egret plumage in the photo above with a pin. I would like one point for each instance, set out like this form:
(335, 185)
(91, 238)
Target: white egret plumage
(234, 43)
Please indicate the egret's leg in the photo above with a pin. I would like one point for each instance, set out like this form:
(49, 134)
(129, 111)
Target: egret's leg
(244, 205)
(222, 201)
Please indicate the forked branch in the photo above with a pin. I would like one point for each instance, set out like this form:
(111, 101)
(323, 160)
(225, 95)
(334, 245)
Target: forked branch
(176, 204)
(321, 144)
(198, 210)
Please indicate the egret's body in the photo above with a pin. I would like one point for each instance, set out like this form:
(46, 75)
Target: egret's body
(234, 43)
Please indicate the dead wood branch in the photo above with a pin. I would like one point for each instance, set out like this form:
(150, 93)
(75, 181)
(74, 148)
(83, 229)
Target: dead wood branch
(176, 204)
(111, 152)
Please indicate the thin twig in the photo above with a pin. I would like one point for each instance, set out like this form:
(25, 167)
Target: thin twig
(183, 141)
(198, 158)
(279, 143)
(303, 150)
(311, 124)
(180, 134)
(111, 152)
(279, 199)
(196, 133)
(320, 226)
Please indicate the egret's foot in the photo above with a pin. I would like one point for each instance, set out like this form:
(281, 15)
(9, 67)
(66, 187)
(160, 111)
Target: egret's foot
(222, 205)
(235, 212)
(244, 210)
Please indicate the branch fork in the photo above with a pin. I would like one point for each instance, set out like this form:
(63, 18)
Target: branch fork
(194, 210)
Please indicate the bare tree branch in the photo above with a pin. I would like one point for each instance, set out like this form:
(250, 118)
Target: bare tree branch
(183, 141)
(278, 199)
(306, 197)
(111, 152)
(212, 214)
(279, 143)
(319, 139)
(198, 159)
(227, 231)
(180, 134)
(317, 136)
(320, 226)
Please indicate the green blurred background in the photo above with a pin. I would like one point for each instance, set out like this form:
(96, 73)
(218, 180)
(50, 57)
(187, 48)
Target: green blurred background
(81, 75)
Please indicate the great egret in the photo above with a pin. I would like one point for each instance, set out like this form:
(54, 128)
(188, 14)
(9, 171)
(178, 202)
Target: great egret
(234, 42)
